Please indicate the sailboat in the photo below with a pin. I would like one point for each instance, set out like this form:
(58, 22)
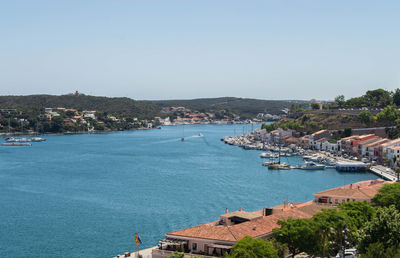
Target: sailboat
(278, 165)
(183, 133)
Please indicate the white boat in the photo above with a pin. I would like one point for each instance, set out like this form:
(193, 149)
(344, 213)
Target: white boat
(312, 166)
(38, 139)
(269, 155)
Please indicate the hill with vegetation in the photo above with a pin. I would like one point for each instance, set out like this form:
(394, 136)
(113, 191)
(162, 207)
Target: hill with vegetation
(242, 106)
(147, 109)
(125, 106)
(376, 108)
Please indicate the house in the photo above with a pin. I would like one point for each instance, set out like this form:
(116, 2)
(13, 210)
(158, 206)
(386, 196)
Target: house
(382, 149)
(330, 146)
(320, 134)
(349, 145)
(367, 150)
(393, 155)
(318, 143)
(361, 148)
(219, 236)
(305, 142)
(360, 191)
(89, 114)
(277, 135)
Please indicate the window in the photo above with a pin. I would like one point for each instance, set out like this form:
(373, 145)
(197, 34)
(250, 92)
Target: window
(194, 246)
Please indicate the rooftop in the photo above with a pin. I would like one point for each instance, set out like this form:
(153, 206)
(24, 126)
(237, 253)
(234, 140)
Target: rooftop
(258, 226)
(364, 189)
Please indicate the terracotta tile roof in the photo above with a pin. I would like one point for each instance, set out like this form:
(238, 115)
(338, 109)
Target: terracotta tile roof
(255, 228)
(369, 141)
(381, 141)
(363, 190)
(319, 132)
(391, 142)
(241, 214)
(394, 147)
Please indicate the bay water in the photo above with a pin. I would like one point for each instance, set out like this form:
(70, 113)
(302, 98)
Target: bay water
(86, 195)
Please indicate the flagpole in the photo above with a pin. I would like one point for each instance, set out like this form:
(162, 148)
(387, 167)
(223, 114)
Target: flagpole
(135, 245)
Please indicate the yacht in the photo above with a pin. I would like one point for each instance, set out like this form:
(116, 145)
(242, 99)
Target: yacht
(38, 139)
(312, 166)
(278, 166)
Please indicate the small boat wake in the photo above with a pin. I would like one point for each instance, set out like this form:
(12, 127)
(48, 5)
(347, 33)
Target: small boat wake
(195, 136)
(177, 139)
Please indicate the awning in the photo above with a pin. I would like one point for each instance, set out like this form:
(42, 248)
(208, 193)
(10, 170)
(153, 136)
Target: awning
(170, 241)
(220, 246)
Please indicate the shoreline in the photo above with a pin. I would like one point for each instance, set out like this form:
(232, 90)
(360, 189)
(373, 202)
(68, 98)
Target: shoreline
(18, 134)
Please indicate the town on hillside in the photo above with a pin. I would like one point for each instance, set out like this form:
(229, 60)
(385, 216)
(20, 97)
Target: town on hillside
(70, 120)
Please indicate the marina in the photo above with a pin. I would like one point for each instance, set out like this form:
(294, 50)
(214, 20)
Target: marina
(88, 194)
(312, 159)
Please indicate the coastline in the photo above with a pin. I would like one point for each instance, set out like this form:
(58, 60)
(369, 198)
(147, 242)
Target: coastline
(19, 134)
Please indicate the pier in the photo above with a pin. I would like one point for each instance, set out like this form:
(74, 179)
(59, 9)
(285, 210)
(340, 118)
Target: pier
(384, 172)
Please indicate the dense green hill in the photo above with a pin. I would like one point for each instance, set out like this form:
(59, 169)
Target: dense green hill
(146, 109)
(83, 102)
(236, 105)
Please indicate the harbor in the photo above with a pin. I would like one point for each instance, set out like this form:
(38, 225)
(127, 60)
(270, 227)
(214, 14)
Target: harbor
(146, 181)
(312, 159)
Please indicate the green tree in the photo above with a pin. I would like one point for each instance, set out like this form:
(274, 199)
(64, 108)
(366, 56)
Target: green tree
(330, 225)
(389, 114)
(340, 100)
(358, 212)
(269, 127)
(248, 247)
(377, 249)
(379, 97)
(56, 124)
(366, 117)
(383, 228)
(314, 125)
(396, 97)
(347, 132)
(298, 234)
(389, 194)
(315, 106)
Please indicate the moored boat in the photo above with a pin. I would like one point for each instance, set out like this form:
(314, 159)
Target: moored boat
(312, 166)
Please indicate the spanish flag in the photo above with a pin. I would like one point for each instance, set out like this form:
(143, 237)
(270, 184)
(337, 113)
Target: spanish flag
(137, 239)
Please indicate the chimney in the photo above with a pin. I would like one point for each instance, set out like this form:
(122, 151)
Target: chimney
(226, 211)
(240, 209)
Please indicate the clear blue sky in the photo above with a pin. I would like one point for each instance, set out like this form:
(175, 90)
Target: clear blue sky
(283, 49)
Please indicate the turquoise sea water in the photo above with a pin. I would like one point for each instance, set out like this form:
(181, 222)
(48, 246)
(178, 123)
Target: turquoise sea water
(86, 195)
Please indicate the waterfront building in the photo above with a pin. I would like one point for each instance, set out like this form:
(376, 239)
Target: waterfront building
(368, 150)
(361, 150)
(320, 134)
(219, 236)
(393, 155)
(329, 146)
(349, 145)
(382, 149)
(360, 191)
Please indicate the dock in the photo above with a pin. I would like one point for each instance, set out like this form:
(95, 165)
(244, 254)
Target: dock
(384, 172)
(145, 253)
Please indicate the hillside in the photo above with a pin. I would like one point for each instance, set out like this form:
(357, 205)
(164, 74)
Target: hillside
(247, 106)
(146, 109)
(83, 102)
(313, 121)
